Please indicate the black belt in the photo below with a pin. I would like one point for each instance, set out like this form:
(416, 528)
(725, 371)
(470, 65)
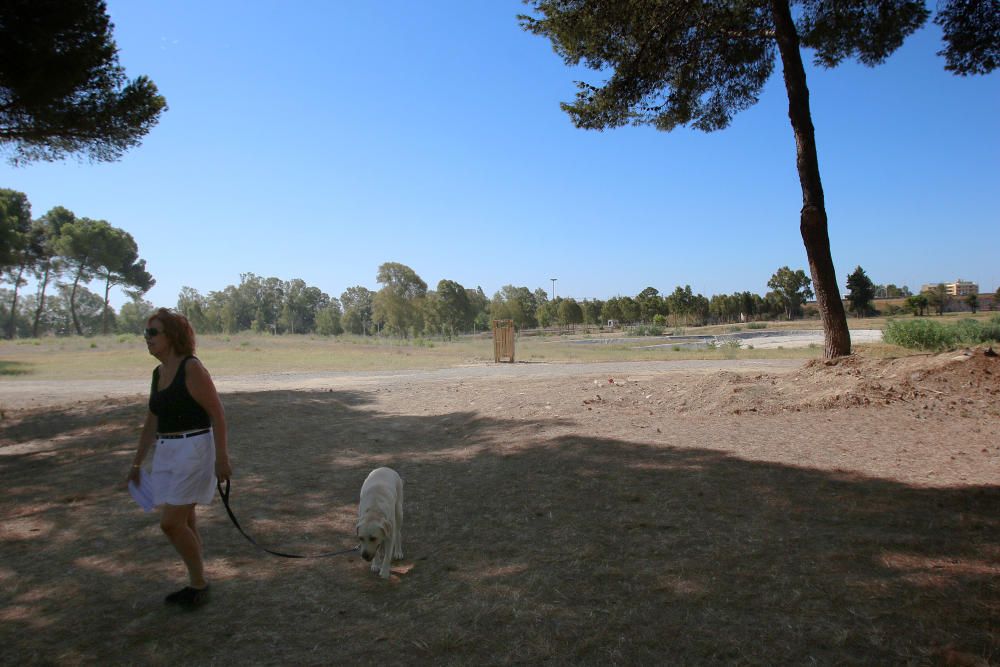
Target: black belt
(185, 435)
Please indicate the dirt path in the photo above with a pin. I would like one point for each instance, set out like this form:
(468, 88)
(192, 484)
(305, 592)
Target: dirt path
(20, 394)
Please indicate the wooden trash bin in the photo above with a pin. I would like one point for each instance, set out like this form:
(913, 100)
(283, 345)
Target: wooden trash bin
(503, 340)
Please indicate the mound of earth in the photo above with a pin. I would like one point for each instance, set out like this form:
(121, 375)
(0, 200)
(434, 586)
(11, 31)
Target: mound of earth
(966, 383)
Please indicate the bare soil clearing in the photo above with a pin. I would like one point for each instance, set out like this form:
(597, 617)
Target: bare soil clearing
(753, 513)
(20, 394)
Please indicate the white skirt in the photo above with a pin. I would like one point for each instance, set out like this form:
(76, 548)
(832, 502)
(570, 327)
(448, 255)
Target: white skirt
(184, 470)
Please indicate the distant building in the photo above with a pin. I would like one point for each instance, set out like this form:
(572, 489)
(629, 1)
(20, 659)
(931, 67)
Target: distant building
(958, 288)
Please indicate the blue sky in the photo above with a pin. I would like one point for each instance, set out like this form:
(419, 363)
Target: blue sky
(317, 140)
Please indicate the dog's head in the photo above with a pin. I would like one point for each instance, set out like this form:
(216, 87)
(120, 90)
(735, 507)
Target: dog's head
(371, 535)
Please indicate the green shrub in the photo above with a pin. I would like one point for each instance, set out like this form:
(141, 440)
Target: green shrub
(756, 325)
(924, 334)
(890, 309)
(648, 330)
(991, 330)
(13, 368)
(968, 332)
(919, 334)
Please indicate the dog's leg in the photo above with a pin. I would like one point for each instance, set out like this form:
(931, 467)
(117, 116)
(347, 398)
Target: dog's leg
(397, 527)
(387, 548)
(375, 557)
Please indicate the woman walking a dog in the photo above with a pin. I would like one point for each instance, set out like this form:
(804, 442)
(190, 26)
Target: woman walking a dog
(188, 425)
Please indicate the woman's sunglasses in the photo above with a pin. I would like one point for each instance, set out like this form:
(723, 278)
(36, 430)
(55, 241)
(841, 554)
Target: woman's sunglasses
(151, 332)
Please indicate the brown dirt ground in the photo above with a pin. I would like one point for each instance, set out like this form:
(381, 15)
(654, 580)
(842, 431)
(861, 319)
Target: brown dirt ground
(834, 513)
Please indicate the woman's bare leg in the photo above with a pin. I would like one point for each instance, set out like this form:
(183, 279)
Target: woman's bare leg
(193, 525)
(178, 523)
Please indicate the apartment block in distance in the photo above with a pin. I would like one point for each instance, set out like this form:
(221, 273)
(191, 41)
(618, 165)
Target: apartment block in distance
(958, 288)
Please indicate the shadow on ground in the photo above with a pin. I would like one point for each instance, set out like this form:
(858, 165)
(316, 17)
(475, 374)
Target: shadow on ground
(525, 543)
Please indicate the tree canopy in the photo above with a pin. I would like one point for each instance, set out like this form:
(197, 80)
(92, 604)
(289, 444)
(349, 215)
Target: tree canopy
(570, 312)
(17, 244)
(918, 303)
(62, 89)
(792, 287)
(972, 36)
(117, 262)
(938, 298)
(861, 292)
(396, 304)
(358, 303)
(15, 220)
(48, 263)
(81, 242)
(454, 312)
(515, 303)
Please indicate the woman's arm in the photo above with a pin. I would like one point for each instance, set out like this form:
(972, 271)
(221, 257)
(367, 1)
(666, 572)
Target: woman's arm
(146, 440)
(202, 389)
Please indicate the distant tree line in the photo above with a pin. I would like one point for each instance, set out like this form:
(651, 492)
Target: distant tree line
(405, 307)
(66, 254)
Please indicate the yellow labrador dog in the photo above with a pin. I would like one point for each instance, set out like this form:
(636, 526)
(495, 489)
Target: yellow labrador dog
(380, 519)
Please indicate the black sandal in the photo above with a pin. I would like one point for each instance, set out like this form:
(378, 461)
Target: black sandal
(188, 597)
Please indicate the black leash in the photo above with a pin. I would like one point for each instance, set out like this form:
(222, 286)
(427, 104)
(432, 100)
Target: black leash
(224, 494)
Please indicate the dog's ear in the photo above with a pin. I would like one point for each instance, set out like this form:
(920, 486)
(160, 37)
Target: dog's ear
(386, 526)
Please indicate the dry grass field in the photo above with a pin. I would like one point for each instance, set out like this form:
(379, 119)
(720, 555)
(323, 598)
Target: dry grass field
(122, 357)
(748, 511)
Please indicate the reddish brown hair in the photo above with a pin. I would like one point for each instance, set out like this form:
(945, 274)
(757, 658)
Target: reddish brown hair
(177, 328)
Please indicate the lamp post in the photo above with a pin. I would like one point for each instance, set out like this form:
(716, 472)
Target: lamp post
(553, 287)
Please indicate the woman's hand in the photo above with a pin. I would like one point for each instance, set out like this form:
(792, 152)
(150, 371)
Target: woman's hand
(223, 470)
(133, 475)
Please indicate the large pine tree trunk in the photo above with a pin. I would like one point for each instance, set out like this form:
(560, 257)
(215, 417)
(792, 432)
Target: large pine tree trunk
(813, 221)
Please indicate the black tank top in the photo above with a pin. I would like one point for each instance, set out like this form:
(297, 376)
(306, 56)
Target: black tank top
(174, 407)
